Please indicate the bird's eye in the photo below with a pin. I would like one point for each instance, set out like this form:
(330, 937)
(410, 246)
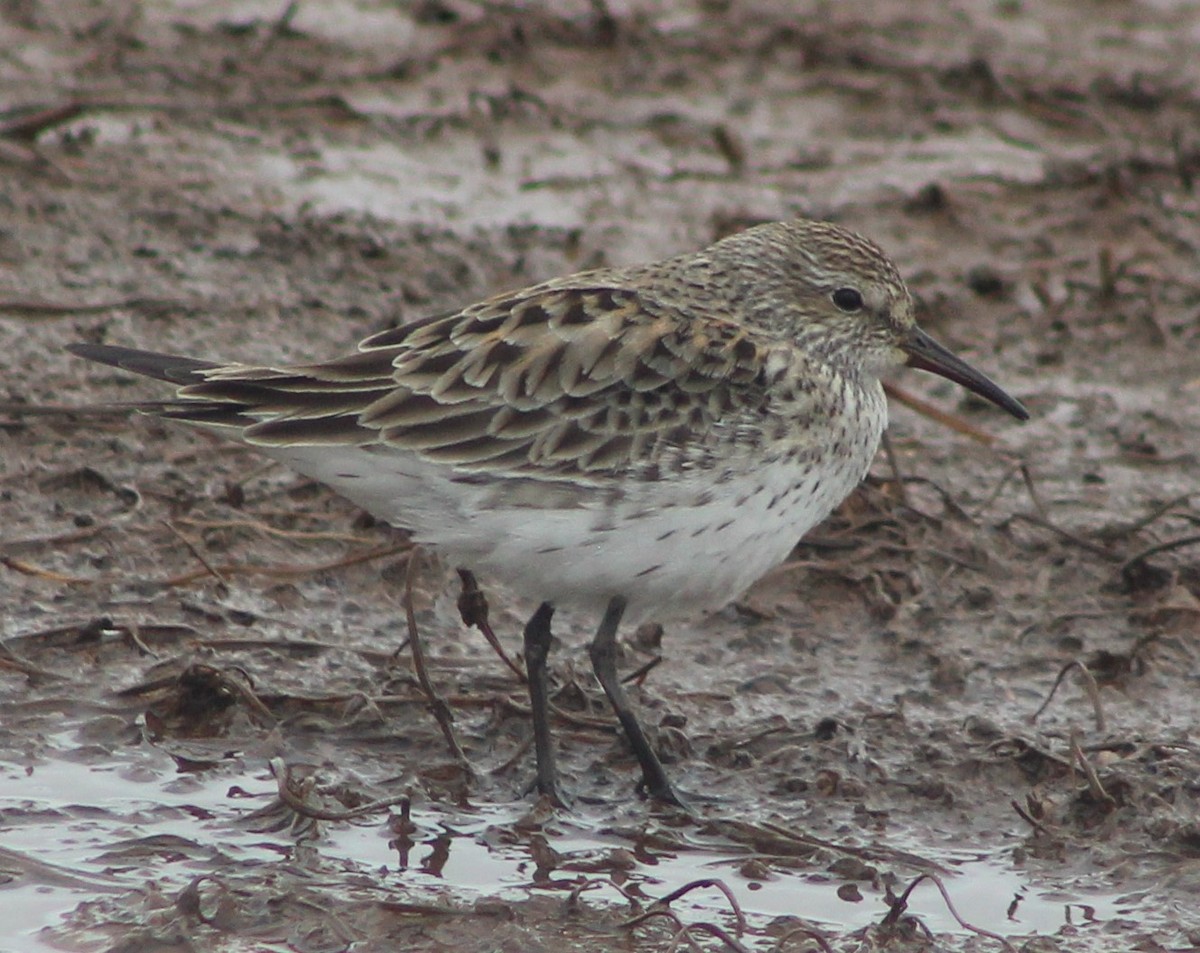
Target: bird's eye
(848, 300)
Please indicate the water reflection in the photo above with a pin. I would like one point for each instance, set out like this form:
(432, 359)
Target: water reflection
(70, 832)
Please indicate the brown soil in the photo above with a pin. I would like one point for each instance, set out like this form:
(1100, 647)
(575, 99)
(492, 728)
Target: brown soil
(271, 182)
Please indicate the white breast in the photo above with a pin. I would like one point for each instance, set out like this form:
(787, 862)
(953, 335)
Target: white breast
(682, 543)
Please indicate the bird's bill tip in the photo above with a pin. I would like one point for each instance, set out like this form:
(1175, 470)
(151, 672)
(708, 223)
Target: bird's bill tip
(926, 354)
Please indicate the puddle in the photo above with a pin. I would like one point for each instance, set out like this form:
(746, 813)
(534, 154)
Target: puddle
(61, 851)
(983, 890)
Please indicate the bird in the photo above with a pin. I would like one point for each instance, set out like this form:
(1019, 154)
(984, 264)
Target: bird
(634, 442)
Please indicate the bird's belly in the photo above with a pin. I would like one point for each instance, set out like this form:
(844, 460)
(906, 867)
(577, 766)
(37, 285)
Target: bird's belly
(666, 549)
(677, 544)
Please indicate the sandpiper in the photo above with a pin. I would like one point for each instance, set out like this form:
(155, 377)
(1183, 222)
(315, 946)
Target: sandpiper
(632, 441)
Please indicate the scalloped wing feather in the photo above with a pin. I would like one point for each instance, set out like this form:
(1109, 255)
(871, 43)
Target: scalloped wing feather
(556, 381)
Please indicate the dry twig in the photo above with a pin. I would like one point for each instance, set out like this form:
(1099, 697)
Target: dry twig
(808, 933)
(936, 414)
(192, 548)
(226, 570)
(1089, 772)
(1029, 819)
(1157, 548)
(684, 931)
(297, 802)
(709, 882)
(900, 904)
(440, 710)
(1090, 686)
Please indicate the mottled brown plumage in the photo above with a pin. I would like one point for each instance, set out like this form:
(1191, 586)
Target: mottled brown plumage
(651, 438)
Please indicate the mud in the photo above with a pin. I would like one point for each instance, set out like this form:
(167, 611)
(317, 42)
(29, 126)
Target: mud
(266, 182)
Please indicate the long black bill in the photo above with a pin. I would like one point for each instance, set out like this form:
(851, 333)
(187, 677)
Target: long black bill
(925, 353)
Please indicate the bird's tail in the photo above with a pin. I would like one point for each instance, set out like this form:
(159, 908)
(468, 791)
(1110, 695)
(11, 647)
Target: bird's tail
(164, 367)
(265, 406)
(173, 369)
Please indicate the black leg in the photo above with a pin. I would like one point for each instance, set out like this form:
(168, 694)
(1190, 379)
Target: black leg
(604, 663)
(537, 651)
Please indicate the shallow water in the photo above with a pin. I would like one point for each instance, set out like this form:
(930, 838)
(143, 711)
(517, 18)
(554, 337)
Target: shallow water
(81, 830)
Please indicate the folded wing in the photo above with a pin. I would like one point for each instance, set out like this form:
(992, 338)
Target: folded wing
(553, 381)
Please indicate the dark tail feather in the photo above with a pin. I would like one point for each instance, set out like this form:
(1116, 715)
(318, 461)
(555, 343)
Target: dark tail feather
(243, 404)
(164, 367)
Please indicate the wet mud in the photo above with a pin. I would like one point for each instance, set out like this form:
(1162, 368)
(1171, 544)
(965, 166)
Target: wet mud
(961, 717)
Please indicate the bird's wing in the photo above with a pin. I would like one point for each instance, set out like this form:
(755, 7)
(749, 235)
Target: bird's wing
(552, 381)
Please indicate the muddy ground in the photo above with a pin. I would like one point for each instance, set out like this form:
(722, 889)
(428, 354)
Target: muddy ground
(264, 181)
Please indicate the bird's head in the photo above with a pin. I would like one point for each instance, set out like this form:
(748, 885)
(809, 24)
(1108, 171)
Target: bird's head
(838, 295)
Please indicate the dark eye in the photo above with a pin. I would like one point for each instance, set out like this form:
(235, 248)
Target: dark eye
(848, 300)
